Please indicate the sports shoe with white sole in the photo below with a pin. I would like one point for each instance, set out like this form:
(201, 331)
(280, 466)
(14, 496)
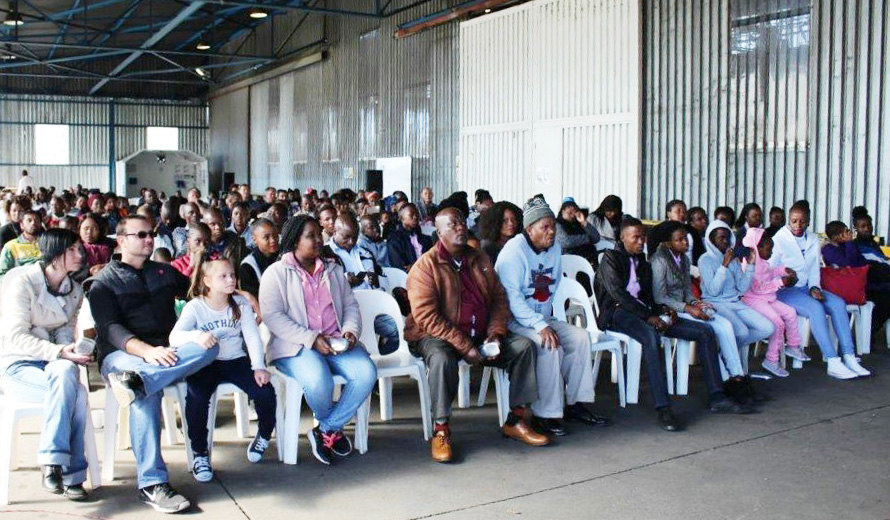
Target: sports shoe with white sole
(163, 498)
(201, 468)
(838, 370)
(257, 448)
(124, 385)
(773, 367)
(852, 363)
(797, 353)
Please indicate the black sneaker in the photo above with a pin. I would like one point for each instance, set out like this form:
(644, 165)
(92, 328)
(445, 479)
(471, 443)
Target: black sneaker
(580, 413)
(316, 442)
(727, 405)
(163, 498)
(257, 448)
(52, 479)
(76, 493)
(126, 386)
(338, 443)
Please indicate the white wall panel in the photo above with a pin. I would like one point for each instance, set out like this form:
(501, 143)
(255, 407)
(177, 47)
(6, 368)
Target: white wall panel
(565, 74)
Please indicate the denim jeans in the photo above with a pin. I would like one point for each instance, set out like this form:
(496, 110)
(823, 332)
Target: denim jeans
(145, 412)
(815, 311)
(315, 374)
(386, 328)
(56, 384)
(726, 341)
(748, 325)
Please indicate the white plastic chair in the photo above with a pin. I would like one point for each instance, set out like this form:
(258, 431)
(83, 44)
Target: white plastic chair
(117, 421)
(501, 389)
(393, 278)
(399, 363)
(293, 404)
(572, 265)
(572, 291)
(11, 412)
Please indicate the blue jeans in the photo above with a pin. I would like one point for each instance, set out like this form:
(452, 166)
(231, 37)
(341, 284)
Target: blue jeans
(56, 384)
(386, 328)
(815, 311)
(145, 412)
(315, 373)
(748, 325)
(726, 342)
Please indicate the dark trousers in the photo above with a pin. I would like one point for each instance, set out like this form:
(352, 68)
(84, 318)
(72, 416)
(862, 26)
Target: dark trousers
(517, 358)
(202, 385)
(879, 293)
(638, 329)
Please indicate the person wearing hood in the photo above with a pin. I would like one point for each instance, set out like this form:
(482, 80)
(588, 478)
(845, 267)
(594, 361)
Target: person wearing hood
(574, 234)
(623, 287)
(761, 297)
(724, 281)
(308, 305)
(798, 249)
(672, 287)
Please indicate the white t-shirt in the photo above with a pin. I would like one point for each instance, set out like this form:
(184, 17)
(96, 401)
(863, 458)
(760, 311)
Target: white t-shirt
(26, 182)
(231, 334)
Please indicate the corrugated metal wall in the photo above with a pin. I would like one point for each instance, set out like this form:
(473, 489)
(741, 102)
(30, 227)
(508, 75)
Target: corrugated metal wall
(89, 121)
(767, 101)
(550, 101)
(374, 96)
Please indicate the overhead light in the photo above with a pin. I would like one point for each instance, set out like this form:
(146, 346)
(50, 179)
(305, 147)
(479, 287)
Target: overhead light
(202, 45)
(13, 18)
(201, 72)
(487, 11)
(257, 13)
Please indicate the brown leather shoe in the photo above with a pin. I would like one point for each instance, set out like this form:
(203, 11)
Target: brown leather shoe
(440, 446)
(522, 432)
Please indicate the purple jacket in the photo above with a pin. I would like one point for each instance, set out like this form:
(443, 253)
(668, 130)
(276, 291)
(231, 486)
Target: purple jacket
(844, 255)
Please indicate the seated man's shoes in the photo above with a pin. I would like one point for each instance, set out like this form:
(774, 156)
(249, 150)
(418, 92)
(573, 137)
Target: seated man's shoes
(515, 428)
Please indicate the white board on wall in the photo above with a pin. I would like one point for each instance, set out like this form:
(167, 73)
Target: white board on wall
(396, 174)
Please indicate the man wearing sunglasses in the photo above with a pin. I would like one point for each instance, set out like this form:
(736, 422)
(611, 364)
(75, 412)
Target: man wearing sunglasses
(132, 300)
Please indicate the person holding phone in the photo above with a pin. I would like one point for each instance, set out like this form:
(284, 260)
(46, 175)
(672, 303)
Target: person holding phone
(723, 282)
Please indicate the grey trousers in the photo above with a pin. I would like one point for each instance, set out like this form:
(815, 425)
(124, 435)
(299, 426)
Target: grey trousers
(517, 358)
(565, 375)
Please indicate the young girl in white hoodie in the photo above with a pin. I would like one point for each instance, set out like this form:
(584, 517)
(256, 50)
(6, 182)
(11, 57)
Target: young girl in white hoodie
(215, 315)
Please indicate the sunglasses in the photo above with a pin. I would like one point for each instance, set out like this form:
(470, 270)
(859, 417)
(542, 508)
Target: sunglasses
(141, 235)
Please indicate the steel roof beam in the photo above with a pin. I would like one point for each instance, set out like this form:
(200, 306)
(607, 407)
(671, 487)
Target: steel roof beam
(65, 59)
(293, 6)
(203, 54)
(107, 78)
(61, 35)
(174, 22)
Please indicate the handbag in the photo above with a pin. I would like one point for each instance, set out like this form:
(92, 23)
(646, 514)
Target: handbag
(847, 282)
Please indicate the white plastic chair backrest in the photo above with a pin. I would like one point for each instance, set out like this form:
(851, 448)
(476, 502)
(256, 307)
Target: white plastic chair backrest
(574, 264)
(572, 291)
(373, 303)
(393, 278)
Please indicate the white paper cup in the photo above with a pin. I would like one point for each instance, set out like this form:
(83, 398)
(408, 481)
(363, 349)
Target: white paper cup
(339, 344)
(84, 346)
(490, 349)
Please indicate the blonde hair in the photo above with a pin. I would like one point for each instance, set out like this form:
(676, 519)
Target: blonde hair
(198, 289)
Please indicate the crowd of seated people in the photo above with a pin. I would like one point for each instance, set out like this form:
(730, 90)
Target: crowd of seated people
(481, 281)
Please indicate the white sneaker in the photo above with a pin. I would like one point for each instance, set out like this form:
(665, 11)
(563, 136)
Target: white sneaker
(838, 370)
(852, 363)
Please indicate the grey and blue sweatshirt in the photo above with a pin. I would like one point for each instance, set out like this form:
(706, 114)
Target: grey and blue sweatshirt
(530, 279)
(722, 284)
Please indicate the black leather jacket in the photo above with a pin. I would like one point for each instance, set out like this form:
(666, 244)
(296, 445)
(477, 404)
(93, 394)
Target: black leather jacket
(610, 286)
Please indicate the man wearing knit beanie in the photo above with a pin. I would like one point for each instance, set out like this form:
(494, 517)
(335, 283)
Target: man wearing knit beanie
(530, 269)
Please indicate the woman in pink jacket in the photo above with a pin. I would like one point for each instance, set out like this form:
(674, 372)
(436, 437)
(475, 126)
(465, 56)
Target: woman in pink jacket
(762, 298)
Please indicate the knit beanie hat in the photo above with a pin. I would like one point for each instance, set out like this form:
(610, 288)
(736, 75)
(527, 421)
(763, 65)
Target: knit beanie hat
(534, 210)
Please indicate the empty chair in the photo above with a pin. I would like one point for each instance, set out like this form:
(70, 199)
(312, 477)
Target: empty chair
(393, 278)
(399, 363)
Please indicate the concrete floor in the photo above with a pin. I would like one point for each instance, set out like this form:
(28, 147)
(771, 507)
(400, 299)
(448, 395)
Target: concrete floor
(820, 449)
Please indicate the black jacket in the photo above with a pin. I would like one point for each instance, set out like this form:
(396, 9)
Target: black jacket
(401, 252)
(128, 302)
(610, 286)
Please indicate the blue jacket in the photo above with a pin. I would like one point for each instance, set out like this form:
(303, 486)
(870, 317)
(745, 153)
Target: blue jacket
(401, 252)
(721, 284)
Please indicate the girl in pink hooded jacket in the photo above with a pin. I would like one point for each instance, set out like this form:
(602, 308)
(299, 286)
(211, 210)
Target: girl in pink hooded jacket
(762, 298)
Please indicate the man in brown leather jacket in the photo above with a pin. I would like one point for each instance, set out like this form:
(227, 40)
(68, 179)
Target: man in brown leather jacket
(457, 304)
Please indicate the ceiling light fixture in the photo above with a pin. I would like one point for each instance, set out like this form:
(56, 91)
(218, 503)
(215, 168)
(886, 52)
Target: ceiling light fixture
(200, 72)
(487, 11)
(202, 45)
(257, 13)
(13, 18)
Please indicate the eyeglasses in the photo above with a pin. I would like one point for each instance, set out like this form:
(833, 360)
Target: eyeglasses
(142, 235)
